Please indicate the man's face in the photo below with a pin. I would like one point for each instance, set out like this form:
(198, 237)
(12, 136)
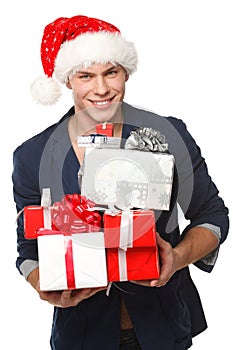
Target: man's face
(98, 90)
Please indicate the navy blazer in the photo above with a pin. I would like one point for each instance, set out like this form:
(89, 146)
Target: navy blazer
(166, 317)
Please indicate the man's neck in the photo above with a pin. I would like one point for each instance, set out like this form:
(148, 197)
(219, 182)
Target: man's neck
(80, 124)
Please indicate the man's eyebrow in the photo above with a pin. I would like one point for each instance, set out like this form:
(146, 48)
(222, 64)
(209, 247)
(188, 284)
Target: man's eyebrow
(83, 72)
(90, 73)
(111, 68)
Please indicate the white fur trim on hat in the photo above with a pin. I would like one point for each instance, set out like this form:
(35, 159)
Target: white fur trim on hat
(90, 48)
(45, 91)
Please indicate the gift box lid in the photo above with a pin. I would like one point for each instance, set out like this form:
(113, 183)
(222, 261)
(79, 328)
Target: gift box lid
(33, 221)
(133, 229)
(71, 214)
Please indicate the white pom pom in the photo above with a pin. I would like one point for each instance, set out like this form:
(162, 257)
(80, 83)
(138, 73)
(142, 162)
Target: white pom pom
(45, 91)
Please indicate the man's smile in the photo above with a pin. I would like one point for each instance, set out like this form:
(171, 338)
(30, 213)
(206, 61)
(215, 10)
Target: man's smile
(102, 103)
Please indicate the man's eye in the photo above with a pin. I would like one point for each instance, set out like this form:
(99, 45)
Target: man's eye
(85, 76)
(112, 72)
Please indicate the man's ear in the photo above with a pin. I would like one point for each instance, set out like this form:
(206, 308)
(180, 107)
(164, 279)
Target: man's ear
(126, 77)
(68, 85)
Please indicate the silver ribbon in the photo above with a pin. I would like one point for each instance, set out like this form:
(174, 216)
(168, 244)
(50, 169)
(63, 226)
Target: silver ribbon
(147, 139)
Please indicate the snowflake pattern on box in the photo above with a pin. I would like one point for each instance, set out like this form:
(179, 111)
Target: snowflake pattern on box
(164, 199)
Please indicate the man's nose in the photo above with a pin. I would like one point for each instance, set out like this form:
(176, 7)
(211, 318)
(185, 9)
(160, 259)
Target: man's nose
(101, 87)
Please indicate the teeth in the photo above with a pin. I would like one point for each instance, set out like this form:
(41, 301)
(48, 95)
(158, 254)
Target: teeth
(101, 103)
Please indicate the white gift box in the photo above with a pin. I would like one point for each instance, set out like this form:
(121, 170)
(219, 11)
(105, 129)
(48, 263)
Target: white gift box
(128, 178)
(80, 257)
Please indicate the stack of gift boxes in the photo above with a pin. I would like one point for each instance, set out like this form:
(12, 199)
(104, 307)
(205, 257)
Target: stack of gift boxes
(108, 232)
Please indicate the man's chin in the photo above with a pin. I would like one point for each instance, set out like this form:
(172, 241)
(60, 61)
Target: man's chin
(102, 115)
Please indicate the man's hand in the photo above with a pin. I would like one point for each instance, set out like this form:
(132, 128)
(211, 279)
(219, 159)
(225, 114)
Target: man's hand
(65, 298)
(68, 298)
(197, 243)
(167, 262)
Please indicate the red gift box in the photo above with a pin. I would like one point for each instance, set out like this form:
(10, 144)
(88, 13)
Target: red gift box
(105, 129)
(70, 215)
(130, 239)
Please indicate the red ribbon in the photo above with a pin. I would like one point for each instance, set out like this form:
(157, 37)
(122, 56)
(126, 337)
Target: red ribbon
(70, 277)
(69, 263)
(72, 215)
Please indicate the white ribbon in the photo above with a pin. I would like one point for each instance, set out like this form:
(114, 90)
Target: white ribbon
(126, 230)
(122, 264)
(126, 241)
(46, 203)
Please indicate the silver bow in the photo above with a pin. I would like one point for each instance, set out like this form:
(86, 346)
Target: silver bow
(147, 139)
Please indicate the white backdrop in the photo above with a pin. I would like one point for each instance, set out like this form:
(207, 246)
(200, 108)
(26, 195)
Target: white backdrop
(185, 70)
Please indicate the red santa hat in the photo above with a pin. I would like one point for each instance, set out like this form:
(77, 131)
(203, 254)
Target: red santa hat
(69, 44)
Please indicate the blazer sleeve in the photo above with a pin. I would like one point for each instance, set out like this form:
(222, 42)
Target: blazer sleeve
(26, 192)
(197, 194)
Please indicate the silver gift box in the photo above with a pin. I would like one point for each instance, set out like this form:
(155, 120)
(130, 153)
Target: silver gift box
(128, 178)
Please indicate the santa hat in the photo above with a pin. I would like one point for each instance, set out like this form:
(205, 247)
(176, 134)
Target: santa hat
(69, 44)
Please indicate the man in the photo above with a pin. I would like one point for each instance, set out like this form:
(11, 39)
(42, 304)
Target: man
(92, 58)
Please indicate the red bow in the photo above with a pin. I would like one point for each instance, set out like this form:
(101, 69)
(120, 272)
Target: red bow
(72, 215)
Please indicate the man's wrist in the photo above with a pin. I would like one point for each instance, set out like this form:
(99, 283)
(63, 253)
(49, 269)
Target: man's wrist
(197, 243)
(179, 256)
(33, 278)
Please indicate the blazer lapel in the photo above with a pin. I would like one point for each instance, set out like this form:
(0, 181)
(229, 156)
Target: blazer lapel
(53, 171)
